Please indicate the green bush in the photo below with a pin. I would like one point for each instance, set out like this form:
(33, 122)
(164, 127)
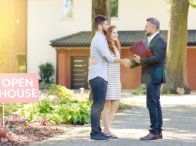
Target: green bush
(10, 108)
(58, 112)
(46, 71)
(45, 106)
(123, 106)
(65, 110)
(139, 91)
(61, 92)
(29, 112)
(74, 111)
(43, 85)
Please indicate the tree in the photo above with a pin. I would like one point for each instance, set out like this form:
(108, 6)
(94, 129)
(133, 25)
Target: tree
(46, 71)
(176, 66)
(100, 7)
(193, 3)
(8, 58)
(114, 8)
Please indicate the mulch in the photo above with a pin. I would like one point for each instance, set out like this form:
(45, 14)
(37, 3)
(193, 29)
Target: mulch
(21, 133)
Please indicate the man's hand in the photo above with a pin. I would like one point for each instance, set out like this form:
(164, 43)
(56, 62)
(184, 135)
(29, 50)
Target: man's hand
(137, 58)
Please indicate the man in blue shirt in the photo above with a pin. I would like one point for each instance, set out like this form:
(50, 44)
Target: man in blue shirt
(97, 76)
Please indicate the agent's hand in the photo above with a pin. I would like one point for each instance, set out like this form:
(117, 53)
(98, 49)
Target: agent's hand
(137, 58)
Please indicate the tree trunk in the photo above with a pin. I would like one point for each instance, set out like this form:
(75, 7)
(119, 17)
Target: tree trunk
(8, 60)
(176, 66)
(100, 7)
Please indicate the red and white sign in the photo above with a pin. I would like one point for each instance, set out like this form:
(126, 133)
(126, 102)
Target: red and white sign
(19, 88)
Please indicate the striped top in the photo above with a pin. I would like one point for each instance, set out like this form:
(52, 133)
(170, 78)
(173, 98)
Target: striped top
(114, 84)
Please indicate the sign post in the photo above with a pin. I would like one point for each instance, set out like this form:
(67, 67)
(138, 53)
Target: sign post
(3, 118)
(18, 88)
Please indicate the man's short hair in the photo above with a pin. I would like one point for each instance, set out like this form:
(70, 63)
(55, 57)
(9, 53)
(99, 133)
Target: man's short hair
(99, 20)
(154, 21)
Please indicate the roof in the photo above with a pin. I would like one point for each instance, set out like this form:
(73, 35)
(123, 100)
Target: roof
(83, 38)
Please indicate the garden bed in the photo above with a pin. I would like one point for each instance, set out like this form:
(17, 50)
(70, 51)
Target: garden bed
(58, 111)
(24, 134)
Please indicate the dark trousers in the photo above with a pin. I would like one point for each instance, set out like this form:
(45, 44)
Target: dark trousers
(98, 87)
(154, 107)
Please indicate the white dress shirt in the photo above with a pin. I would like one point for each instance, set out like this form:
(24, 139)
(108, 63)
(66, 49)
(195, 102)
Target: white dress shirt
(152, 36)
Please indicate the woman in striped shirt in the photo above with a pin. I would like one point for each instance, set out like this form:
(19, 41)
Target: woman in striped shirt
(113, 93)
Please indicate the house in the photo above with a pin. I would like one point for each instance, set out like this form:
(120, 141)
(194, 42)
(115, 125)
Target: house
(34, 23)
(48, 20)
(73, 54)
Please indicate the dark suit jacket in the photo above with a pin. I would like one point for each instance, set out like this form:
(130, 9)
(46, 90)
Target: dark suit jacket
(153, 68)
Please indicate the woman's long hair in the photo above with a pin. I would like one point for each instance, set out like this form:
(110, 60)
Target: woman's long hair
(112, 43)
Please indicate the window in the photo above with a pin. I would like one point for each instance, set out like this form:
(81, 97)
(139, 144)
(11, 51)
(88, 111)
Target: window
(114, 8)
(68, 9)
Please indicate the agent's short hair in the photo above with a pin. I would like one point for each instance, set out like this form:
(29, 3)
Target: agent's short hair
(99, 20)
(154, 21)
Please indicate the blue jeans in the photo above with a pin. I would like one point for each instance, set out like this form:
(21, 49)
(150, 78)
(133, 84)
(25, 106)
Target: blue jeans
(154, 107)
(98, 87)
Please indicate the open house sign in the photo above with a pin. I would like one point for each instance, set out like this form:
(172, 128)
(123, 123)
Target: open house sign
(19, 88)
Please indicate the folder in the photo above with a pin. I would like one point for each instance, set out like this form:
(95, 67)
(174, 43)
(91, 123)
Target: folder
(140, 49)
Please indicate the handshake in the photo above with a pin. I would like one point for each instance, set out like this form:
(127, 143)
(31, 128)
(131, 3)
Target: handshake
(126, 62)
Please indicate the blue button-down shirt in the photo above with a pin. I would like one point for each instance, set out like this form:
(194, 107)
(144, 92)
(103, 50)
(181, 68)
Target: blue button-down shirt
(100, 52)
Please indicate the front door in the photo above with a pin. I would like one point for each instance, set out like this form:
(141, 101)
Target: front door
(79, 72)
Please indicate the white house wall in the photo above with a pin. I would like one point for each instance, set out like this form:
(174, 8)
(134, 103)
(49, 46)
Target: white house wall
(45, 22)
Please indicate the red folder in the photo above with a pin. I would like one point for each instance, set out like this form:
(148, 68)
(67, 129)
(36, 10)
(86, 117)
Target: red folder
(140, 49)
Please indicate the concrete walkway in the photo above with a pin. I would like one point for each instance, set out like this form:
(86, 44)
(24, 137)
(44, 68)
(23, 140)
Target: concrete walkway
(179, 113)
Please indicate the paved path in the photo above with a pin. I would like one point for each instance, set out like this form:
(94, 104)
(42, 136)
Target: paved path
(179, 114)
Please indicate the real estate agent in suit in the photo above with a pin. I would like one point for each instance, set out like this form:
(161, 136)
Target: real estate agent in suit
(153, 75)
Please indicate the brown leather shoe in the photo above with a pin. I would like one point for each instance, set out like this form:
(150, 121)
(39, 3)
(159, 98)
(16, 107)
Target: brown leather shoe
(160, 135)
(150, 136)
